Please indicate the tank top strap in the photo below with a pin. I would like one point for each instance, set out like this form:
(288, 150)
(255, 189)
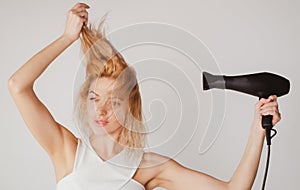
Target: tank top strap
(79, 154)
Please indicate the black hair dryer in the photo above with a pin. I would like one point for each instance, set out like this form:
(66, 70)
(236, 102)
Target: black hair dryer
(261, 85)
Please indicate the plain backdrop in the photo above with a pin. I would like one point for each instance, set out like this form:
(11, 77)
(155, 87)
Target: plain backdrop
(230, 37)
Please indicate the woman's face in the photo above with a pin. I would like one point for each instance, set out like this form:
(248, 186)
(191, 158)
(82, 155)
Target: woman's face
(105, 110)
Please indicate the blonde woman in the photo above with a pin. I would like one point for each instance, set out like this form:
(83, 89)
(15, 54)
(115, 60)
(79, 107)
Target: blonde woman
(110, 153)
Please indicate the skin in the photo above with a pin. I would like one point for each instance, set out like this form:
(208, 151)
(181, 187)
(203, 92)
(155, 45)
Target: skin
(102, 105)
(155, 170)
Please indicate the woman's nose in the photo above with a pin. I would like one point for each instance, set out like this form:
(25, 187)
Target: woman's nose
(101, 108)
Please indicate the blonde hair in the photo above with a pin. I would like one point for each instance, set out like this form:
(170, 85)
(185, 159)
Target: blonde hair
(103, 60)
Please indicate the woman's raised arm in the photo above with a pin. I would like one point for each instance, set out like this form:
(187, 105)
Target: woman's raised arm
(38, 119)
(172, 175)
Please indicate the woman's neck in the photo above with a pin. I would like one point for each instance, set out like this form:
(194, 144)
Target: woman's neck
(105, 145)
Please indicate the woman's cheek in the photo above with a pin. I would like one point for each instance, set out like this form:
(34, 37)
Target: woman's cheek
(90, 110)
(119, 116)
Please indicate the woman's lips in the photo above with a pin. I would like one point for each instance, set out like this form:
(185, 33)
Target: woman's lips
(102, 123)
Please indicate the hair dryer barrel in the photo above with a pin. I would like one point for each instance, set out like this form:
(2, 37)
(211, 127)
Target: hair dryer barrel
(261, 85)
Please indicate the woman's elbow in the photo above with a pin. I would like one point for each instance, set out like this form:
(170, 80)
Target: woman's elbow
(16, 86)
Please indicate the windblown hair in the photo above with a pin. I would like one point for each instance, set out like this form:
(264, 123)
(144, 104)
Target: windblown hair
(103, 60)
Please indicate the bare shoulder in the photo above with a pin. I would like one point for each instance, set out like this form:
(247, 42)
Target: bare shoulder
(152, 166)
(158, 161)
(151, 158)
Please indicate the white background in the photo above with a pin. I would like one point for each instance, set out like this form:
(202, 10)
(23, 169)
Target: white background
(243, 37)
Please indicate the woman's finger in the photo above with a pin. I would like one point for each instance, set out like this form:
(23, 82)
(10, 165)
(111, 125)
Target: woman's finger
(267, 106)
(273, 97)
(77, 17)
(270, 104)
(276, 116)
(261, 102)
(269, 110)
(78, 5)
(83, 14)
(80, 9)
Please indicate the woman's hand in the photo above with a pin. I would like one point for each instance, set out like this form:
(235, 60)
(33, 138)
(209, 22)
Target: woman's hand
(266, 107)
(77, 17)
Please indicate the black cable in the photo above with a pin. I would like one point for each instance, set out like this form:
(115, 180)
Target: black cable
(267, 167)
(275, 132)
(268, 161)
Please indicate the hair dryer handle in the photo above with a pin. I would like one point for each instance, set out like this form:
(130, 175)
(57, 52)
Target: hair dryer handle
(267, 121)
(267, 125)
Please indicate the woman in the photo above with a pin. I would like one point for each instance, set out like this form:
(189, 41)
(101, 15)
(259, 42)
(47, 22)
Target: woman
(109, 114)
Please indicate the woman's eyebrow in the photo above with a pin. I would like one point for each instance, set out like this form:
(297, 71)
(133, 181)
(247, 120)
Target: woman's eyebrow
(99, 95)
(94, 93)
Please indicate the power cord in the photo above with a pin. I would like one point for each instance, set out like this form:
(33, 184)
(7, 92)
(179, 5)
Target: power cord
(268, 159)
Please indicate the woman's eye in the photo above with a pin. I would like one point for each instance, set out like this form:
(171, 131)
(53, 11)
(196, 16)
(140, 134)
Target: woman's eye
(115, 103)
(92, 98)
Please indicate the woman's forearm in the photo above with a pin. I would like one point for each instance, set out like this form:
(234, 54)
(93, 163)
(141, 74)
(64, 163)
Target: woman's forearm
(25, 76)
(244, 175)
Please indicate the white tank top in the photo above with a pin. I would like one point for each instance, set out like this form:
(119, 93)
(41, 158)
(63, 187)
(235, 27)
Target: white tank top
(90, 172)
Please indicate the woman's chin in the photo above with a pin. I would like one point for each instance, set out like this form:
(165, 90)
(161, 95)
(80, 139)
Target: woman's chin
(99, 131)
(104, 129)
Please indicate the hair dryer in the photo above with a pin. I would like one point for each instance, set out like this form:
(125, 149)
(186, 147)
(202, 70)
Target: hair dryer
(261, 85)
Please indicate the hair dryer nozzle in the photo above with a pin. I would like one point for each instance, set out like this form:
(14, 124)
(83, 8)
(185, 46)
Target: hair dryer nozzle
(212, 81)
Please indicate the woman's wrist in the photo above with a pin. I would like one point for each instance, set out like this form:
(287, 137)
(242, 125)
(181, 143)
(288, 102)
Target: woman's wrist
(257, 131)
(66, 38)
